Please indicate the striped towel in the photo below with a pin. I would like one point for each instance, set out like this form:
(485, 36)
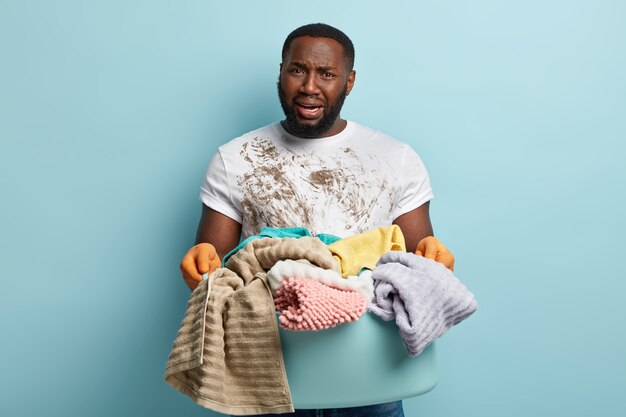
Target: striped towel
(227, 355)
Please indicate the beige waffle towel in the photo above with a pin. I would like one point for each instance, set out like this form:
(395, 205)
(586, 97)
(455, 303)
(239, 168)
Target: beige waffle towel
(227, 354)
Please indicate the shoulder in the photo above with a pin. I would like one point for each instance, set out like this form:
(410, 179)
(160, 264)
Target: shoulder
(267, 133)
(380, 141)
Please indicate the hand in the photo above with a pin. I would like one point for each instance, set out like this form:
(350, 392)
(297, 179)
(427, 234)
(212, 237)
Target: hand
(431, 248)
(200, 259)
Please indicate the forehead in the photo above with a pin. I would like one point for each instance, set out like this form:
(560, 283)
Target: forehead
(320, 51)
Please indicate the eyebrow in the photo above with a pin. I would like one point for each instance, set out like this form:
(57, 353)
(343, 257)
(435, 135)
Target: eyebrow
(319, 68)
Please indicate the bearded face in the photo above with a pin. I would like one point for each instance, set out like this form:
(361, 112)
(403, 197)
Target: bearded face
(310, 128)
(312, 87)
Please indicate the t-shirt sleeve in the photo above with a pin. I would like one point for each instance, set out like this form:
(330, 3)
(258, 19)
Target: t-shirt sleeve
(415, 184)
(215, 190)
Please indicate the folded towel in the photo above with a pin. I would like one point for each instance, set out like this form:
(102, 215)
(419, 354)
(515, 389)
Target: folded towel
(307, 304)
(424, 297)
(288, 268)
(365, 249)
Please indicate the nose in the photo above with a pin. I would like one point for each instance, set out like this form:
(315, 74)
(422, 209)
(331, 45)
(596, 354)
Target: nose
(309, 85)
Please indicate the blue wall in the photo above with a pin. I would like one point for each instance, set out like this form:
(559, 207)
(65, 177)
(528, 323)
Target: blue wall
(110, 110)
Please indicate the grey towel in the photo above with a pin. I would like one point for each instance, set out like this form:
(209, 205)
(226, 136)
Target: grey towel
(424, 297)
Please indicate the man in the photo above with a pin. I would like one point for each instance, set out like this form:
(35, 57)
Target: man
(313, 169)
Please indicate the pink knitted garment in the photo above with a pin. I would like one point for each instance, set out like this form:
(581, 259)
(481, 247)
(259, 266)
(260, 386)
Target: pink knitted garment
(307, 304)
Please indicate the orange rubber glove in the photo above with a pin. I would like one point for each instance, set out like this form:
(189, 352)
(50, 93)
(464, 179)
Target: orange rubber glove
(200, 259)
(431, 248)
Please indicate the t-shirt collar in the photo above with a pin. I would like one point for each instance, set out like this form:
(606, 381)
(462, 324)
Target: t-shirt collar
(339, 137)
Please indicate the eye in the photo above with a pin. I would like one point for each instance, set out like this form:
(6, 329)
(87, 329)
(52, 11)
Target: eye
(296, 71)
(328, 75)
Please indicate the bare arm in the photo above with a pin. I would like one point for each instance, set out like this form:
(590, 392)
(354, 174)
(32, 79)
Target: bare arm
(219, 230)
(415, 226)
(418, 235)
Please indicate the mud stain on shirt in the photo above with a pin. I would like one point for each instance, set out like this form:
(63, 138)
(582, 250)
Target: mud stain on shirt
(323, 179)
(283, 188)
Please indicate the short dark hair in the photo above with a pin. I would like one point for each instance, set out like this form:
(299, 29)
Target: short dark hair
(321, 30)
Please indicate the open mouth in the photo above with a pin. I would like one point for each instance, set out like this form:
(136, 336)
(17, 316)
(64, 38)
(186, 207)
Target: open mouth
(309, 111)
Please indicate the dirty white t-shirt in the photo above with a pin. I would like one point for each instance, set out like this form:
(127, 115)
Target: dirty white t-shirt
(345, 184)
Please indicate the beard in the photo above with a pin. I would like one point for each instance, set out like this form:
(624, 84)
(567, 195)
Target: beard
(323, 125)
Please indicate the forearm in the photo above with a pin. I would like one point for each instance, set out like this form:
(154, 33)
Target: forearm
(415, 226)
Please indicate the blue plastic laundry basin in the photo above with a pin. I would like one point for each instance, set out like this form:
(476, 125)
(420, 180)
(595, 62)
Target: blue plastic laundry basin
(354, 364)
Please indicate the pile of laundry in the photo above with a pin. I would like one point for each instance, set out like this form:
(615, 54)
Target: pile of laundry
(227, 354)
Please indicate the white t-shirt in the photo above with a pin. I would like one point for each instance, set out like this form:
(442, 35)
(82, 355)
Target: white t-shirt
(345, 184)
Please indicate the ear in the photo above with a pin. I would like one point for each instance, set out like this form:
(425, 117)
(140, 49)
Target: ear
(350, 82)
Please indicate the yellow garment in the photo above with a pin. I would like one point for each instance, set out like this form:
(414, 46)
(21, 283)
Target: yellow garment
(364, 250)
